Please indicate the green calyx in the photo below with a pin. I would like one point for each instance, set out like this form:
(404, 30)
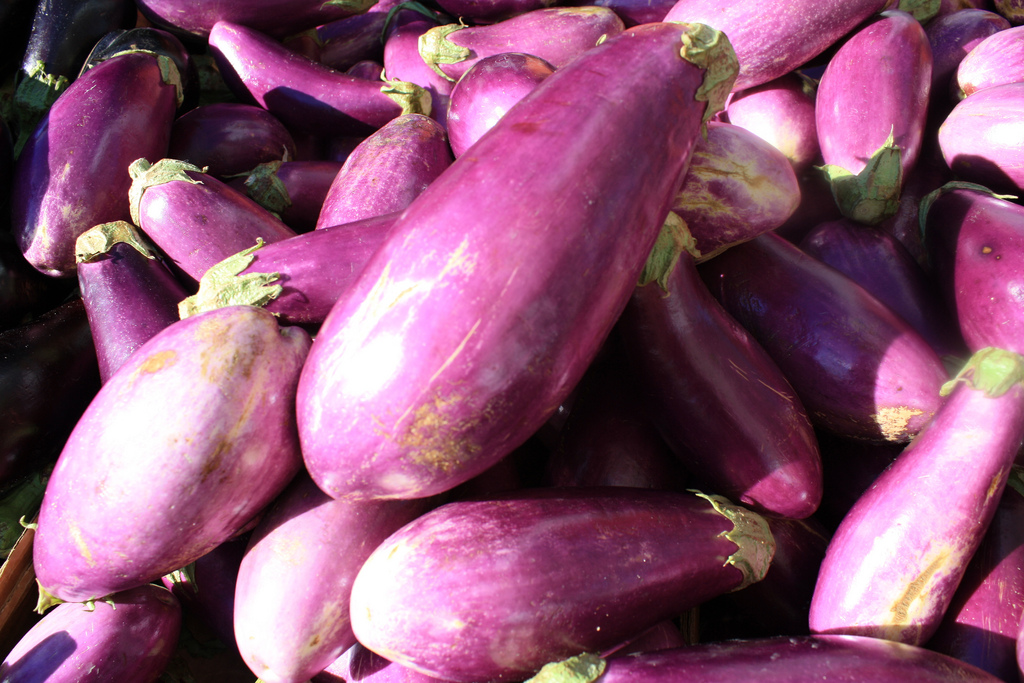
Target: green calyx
(265, 188)
(1015, 481)
(991, 370)
(872, 195)
(353, 6)
(922, 10)
(99, 240)
(672, 241)
(46, 599)
(710, 49)
(584, 668)
(435, 48)
(222, 285)
(146, 175)
(413, 99)
(33, 98)
(755, 545)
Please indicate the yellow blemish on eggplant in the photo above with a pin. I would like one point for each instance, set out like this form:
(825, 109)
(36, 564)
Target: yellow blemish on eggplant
(80, 544)
(894, 421)
(157, 362)
(917, 588)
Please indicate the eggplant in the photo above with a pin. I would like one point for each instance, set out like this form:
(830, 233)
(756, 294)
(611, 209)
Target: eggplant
(871, 110)
(305, 95)
(632, 12)
(555, 34)
(738, 187)
(387, 170)
(773, 40)
(73, 172)
(487, 90)
(895, 561)
(291, 598)
(294, 190)
(996, 60)
(719, 401)
(980, 142)
(180, 449)
(402, 59)
(344, 42)
(129, 293)
(491, 11)
(952, 36)
(859, 369)
(479, 317)
(368, 69)
(129, 637)
(494, 589)
(275, 18)
(366, 666)
(229, 138)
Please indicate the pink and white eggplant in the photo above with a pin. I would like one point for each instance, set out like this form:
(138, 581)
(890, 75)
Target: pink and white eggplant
(981, 141)
(872, 105)
(305, 95)
(131, 636)
(738, 187)
(387, 170)
(291, 616)
(895, 561)
(491, 590)
(996, 60)
(194, 218)
(487, 90)
(475, 319)
(555, 34)
(181, 448)
(771, 41)
(73, 172)
(952, 36)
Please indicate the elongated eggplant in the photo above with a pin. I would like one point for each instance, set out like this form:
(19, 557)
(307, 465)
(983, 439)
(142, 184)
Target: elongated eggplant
(344, 42)
(387, 170)
(73, 172)
(276, 18)
(479, 317)
(632, 12)
(555, 34)
(895, 561)
(859, 369)
(129, 637)
(494, 589)
(306, 95)
(487, 90)
(774, 40)
(180, 449)
(294, 190)
(491, 11)
(402, 59)
(291, 617)
(996, 60)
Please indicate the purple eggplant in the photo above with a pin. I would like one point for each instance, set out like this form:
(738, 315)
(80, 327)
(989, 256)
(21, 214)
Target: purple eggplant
(718, 399)
(859, 369)
(871, 107)
(369, 69)
(128, 291)
(555, 34)
(974, 241)
(73, 172)
(359, 665)
(478, 317)
(402, 61)
(276, 18)
(632, 12)
(129, 637)
(387, 170)
(738, 187)
(487, 90)
(774, 40)
(980, 139)
(291, 600)
(781, 112)
(181, 448)
(294, 190)
(780, 659)
(980, 626)
(195, 219)
(344, 42)
(492, 11)
(494, 589)
(952, 36)
(229, 138)
(996, 60)
(306, 95)
(899, 554)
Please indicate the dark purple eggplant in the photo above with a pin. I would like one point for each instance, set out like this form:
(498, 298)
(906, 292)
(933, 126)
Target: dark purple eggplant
(276, 18)
(128, 292)
(229, 138)
(294, 190)
(995, 60)
(368, 69)
(718, 399)
(73, 172)
(859, 369)
(48, 374)
(494, 589)
(344, 42)
(306, 95)
(498, 285)
(25, 293)
(899, 554)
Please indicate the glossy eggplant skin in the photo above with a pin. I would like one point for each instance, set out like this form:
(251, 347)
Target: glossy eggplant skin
(64, 32)
(73, 172)
(48, 375)
(951, 37)
(276, 18)
(996, 60)
(718, 398)
(493, 589)
(480, 317)
(860, 370)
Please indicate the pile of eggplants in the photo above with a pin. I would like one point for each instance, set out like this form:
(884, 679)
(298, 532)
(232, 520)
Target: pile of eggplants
(514, 341)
